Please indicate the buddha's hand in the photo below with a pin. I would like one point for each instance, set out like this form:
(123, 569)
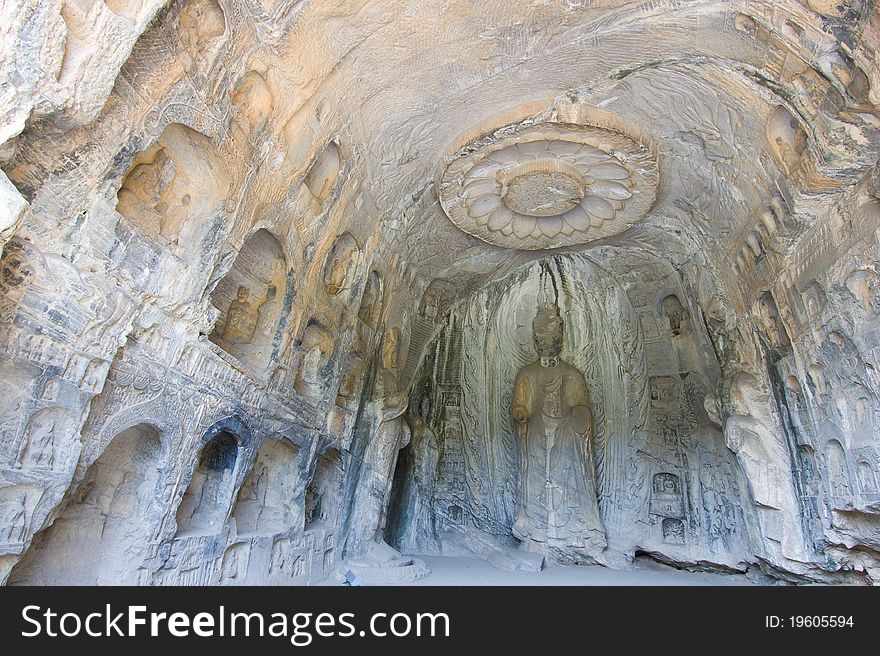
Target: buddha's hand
(520, 413)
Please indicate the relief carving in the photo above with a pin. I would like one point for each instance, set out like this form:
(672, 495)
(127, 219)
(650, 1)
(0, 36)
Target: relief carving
(46, 440)
(251, 299)
(557, 507)
(548, 186)
(754, 436)
(340, 264)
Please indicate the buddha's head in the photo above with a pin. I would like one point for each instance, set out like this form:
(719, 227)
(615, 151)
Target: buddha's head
(548, 327)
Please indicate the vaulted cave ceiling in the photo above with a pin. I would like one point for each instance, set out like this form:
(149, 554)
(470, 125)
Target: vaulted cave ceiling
(757, 117)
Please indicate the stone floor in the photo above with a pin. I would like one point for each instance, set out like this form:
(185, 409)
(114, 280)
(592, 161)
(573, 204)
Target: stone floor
(468, 571)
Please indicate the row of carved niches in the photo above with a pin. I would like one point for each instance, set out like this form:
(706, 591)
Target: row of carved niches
(835, 426)
(104, 531)
(549, 185)
(252, 299)
(173, 185)
(277, 519)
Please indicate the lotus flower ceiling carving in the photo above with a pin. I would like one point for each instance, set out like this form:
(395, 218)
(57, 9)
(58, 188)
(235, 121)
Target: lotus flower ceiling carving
(549, 186)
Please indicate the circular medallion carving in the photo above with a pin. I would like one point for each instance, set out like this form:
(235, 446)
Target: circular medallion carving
(544, 193)
(549, 186)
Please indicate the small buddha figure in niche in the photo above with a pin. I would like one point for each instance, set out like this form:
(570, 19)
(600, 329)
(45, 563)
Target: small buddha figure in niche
(557, 509)
(338, 275)
(40, 444)
(339, 265)
(239, 323)
(675, 314)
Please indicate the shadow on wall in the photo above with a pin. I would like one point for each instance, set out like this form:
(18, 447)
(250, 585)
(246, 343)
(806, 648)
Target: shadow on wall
(323, 493)
(205, 504)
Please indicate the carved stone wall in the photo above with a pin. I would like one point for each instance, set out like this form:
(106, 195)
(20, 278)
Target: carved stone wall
(657, 455)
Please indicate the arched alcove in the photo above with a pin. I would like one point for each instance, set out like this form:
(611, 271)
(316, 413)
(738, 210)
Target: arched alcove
(269, 500)
(340, 265)
(102, 535)
(323, 500)
(174, 185)
(205, 504)
(316, 349)
(371, 300)
(786, 138)
(252, 298)
(323, 173)
(837, 471)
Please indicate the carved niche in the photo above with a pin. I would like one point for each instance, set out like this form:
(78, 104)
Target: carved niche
(771, 321)
(204, 506)
(268, 499)
(862, 284)
(250, 298)
(176, 180)
(101, 536)
(549, 185)
(340, 264)
(350, 380)
(47, 443)
(675, 314)
(371, 301)
(316, 349)
(322, 494)
(323, 174)
(837, 470)
(786, 138)
(253, 103)
(201, 23)
(666, 496)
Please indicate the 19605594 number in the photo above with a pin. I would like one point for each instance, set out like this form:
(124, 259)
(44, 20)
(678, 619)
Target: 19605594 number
(820, 621)
(809, 621)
